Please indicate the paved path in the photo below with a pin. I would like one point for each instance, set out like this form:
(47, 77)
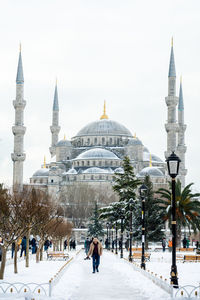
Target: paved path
(116, 280)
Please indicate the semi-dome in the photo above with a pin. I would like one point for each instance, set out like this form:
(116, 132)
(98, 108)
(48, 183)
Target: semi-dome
(95, 170)
(134, 142)
(64, 143)
(119, 170)
(71, 171)
(145, 149)
(151, 171)
(41, 172)
(97, 153)
(104, 127)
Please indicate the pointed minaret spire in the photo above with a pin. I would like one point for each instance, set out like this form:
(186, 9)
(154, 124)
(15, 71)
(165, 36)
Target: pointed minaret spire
(172, 69)
(20, 75)
(55, 128)
(44, 165)
(55, 102)
(104, 116)
(18, 155)
(181, 148)
(180, 103)
(171, 101)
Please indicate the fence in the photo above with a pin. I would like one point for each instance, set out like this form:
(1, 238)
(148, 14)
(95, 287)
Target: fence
(35, 288)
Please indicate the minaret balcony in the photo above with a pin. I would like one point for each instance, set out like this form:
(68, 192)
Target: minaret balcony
(182, 127)
(18, 156)
(171, 100)
(18, 130)
(55, 129)
(19, 104)
(172, 127)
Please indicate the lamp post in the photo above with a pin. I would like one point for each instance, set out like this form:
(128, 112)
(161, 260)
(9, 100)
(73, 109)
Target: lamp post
(143, 190)
(131, 228)
(122, 230)
(107, 226)
(112, 229)
(173, 162)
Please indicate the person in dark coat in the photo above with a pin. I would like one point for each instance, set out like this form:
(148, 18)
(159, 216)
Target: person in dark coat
(65, 244)
(13, 249)
(164, 244)
(23, 246)
(46, 245)
(184, 241)
(33, 244)
(71, 244)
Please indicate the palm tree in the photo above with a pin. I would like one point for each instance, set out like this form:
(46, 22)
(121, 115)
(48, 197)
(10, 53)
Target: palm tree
(187, 207)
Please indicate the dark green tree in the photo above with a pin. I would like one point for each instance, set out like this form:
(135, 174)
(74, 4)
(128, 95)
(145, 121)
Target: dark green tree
(154, 217)
(95, 227)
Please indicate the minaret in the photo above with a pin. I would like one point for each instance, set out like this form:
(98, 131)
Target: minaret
(19, 129)
(171, 101)
(181, 148)
(55, 128)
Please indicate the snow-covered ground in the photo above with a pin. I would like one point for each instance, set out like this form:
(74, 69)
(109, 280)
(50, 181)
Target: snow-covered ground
(116, 280)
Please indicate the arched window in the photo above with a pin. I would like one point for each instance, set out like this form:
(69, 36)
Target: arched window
(82, 163)
(78, 163)
(88, 141)
(88, 163)
(110, 141)
(103, 141)
(95, 141)
(94, 163)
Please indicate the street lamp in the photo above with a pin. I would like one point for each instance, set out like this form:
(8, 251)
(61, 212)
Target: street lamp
(122, 229)
(107, 225)
(131, 228)
(173, 162)
(143, 190)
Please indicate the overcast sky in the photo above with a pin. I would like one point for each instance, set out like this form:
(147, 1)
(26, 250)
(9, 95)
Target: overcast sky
(116, 50)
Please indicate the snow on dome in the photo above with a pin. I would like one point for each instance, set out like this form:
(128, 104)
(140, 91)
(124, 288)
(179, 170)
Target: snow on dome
(41, 172)
(151, 171)
(156, 158)
(104, 127)
(145, 149)
(97, 153)
(64, 143)
(119, 170)
(71, 171)
(134, 141)
(95, 170)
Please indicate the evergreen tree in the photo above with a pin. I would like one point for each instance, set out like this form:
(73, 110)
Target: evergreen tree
(154, 217)
(125, 184)
(95, 227)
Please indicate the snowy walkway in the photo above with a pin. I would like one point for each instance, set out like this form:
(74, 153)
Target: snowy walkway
(116, 280)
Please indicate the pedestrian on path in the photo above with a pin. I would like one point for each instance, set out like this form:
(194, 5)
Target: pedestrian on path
(164, 244)
(95, 251)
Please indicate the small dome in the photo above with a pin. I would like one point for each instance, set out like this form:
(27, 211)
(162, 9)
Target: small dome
(41, 172)
(134, 142)
(151, 171)
(71, 171)
(97, 153)
(119, 170)
(104, 127)
(64, 143)
(145, 149)
(95, 170)
(156, 158)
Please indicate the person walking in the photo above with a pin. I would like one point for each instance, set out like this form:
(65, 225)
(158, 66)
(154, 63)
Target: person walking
(164, 244)
(23, 245)
(184, 241)
(95, 251)
(170, 245)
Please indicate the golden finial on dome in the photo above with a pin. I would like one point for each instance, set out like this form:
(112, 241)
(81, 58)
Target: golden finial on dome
(150, 160)
(181, 79)
(64, 137)
(104, 116)
(172, 41)
(135, 135)
(44, 166)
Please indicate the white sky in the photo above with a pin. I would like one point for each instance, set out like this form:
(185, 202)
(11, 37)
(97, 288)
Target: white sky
(116, 50)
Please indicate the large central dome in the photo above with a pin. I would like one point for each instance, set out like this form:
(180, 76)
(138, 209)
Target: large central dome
(104, 127)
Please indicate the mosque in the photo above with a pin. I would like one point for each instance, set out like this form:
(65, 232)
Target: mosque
(95, 154)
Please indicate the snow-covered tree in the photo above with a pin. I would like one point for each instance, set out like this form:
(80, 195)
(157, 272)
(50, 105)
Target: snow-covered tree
(125, 184)
(154, 217)
(95, 227)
